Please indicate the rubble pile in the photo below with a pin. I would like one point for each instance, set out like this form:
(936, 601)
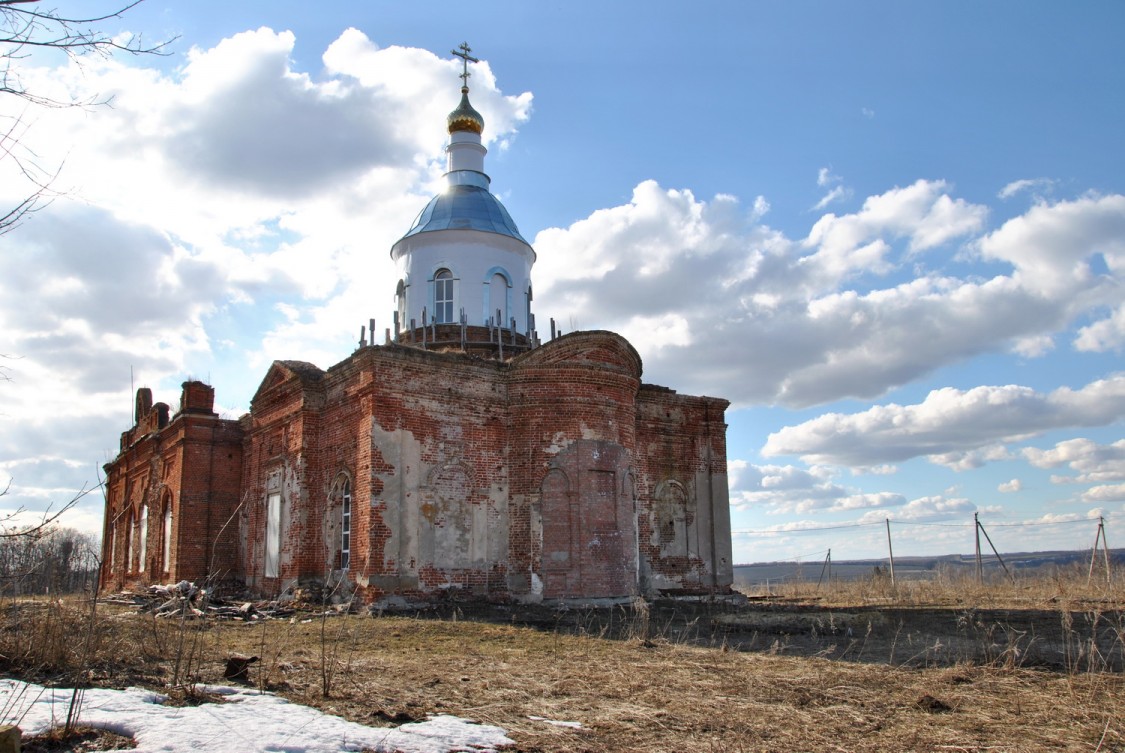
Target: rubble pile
(187, 600)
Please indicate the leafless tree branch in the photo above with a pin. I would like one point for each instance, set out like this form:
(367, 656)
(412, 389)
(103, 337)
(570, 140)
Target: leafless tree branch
(49, 516)
(23, 29)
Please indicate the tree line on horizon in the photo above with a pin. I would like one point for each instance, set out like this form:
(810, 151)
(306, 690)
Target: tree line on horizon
(48, 561)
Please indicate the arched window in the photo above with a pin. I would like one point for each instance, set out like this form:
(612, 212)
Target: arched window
(142, 550)
(443, 297)
(400, 304)
(113, 546)
(130, 533)
(345, 524)
(273, 535)
(530, 320)
(167, 534)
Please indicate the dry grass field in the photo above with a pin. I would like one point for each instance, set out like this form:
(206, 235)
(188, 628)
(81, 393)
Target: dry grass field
(776, 674)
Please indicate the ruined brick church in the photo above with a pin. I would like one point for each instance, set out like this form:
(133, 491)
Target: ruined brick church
(461, 457)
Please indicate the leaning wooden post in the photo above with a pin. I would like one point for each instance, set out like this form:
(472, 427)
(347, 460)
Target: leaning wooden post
(1105, 548)
(997, 553)
(890, 553)
(976, 530)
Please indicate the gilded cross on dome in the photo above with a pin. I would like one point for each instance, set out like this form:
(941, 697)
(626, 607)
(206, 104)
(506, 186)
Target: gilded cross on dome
(465, 49)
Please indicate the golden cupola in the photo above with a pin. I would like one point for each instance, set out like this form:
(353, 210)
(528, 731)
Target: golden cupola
(465, 118)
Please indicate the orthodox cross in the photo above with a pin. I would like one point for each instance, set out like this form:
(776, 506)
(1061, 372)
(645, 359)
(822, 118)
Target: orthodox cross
(465, 49)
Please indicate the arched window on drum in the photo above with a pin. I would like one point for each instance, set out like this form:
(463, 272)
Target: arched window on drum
(400, 304)
(443, 296)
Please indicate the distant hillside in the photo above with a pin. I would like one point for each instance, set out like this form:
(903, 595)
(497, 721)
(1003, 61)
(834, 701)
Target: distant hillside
(917, 568)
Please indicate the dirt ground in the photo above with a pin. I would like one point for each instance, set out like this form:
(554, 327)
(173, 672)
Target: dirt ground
(666, 688)
(763, 676)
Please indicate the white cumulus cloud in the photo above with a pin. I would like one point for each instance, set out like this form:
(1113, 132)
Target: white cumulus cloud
(807, 321)
(924, 509)
(948, 424)
(1010, 487)
(1093, 462)
(1103, 335)
(1105, 493)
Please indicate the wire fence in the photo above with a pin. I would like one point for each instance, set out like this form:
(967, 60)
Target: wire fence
(986, 558)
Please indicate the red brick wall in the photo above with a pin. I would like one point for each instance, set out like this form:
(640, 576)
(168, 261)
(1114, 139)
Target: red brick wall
(553, 475)
(573, 415)
(193, 464)
(684, 523)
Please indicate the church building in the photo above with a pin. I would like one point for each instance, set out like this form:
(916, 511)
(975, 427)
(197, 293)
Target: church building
(461, 457)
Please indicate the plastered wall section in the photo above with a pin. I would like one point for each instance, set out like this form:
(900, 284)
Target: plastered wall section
(420, 440)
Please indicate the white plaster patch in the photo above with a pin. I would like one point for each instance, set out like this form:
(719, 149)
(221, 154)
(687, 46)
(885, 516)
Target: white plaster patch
(559, 442)
(403, 453)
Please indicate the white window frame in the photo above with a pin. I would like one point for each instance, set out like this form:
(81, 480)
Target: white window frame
(527, 309)
(167, 554)
(400, 305)
(142, 549)
(346, 525)
(444, 296)
(130, 541)
(273, 535)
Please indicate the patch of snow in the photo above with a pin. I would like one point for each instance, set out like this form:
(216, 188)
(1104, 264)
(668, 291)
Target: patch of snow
(250, 721)
(571, 725)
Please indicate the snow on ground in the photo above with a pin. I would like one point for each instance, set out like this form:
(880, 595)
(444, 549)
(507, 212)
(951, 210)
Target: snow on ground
(555, 722)
(248, 722)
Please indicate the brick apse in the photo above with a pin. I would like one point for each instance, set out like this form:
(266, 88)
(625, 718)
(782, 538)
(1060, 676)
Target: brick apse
(461, 456)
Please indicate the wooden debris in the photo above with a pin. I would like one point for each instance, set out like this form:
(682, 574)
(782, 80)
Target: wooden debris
(186, 600)
(238, 667)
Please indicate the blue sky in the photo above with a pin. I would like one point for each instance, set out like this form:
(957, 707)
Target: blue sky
(892, 234)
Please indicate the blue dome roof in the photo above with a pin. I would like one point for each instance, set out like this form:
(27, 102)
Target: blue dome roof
(466, 207)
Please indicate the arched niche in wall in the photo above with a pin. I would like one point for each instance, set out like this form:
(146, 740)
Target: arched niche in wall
(498, 301)
(559, 562)
(446, 521)
(674, 514)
